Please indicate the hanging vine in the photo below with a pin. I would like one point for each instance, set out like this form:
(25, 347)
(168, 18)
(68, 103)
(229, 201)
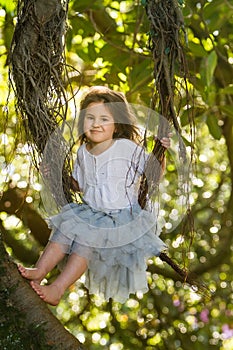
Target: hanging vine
(167, 49)
(36, 74)
(166, 23)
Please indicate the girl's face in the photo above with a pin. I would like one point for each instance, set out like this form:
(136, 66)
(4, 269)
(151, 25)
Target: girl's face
(98, 123)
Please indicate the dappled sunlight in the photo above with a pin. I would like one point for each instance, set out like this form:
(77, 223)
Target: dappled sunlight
(107, 43)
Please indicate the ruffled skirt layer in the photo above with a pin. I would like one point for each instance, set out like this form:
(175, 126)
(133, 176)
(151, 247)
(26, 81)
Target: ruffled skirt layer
(116, 245)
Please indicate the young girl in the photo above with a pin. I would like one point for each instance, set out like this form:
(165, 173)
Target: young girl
(108, 235)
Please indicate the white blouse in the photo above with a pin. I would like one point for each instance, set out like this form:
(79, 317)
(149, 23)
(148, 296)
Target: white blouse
(110, 180)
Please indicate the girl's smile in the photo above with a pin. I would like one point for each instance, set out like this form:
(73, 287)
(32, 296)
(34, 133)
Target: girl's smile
(98, 124)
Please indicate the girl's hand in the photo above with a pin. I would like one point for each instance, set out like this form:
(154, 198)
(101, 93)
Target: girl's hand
(166, 141)
(74, 184)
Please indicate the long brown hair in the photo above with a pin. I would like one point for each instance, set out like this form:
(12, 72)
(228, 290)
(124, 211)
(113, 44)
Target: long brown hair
(118, 106)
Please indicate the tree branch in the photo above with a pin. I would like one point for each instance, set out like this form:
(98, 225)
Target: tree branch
(21, 295)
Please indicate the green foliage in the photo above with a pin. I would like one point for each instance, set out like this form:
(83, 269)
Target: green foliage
(213, 126)
(9, 6)
(209, 68)
(107, 42)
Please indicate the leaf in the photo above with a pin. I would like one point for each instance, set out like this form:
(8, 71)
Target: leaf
(197, 49)
(78, 22)
(227, 90)
(210, 8)
(214, 128)
(210, 65)
(9, 6)
(110, 53)
(193, 112)
(140, 73)
(82, 5)
(91, 51)
(228, 110)
(83, 55)
(217, 14)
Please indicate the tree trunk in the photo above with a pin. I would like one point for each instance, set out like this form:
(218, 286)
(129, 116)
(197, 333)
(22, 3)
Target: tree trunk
(25, 320)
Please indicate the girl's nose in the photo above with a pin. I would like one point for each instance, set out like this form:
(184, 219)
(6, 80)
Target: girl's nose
(96, 123)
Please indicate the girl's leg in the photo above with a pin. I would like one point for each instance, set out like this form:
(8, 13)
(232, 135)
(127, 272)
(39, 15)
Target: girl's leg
(50, 257)
(51, 294)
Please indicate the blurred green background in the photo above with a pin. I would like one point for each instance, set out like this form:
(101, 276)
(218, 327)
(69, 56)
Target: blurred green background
(107, 43)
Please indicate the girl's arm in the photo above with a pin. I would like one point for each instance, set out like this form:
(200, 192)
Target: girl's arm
(166, 143)
(163, 165)
(46, 172)
(74, 184)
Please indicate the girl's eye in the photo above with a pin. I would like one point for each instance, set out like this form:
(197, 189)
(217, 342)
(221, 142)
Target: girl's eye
(89, 117)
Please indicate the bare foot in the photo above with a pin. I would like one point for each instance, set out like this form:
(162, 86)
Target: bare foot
(31, 273)
(51, 294)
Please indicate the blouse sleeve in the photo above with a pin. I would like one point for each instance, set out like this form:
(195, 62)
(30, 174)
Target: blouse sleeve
(78, 169)
(75, 169)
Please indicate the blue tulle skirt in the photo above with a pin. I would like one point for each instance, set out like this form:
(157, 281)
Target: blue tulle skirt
(115, 243)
